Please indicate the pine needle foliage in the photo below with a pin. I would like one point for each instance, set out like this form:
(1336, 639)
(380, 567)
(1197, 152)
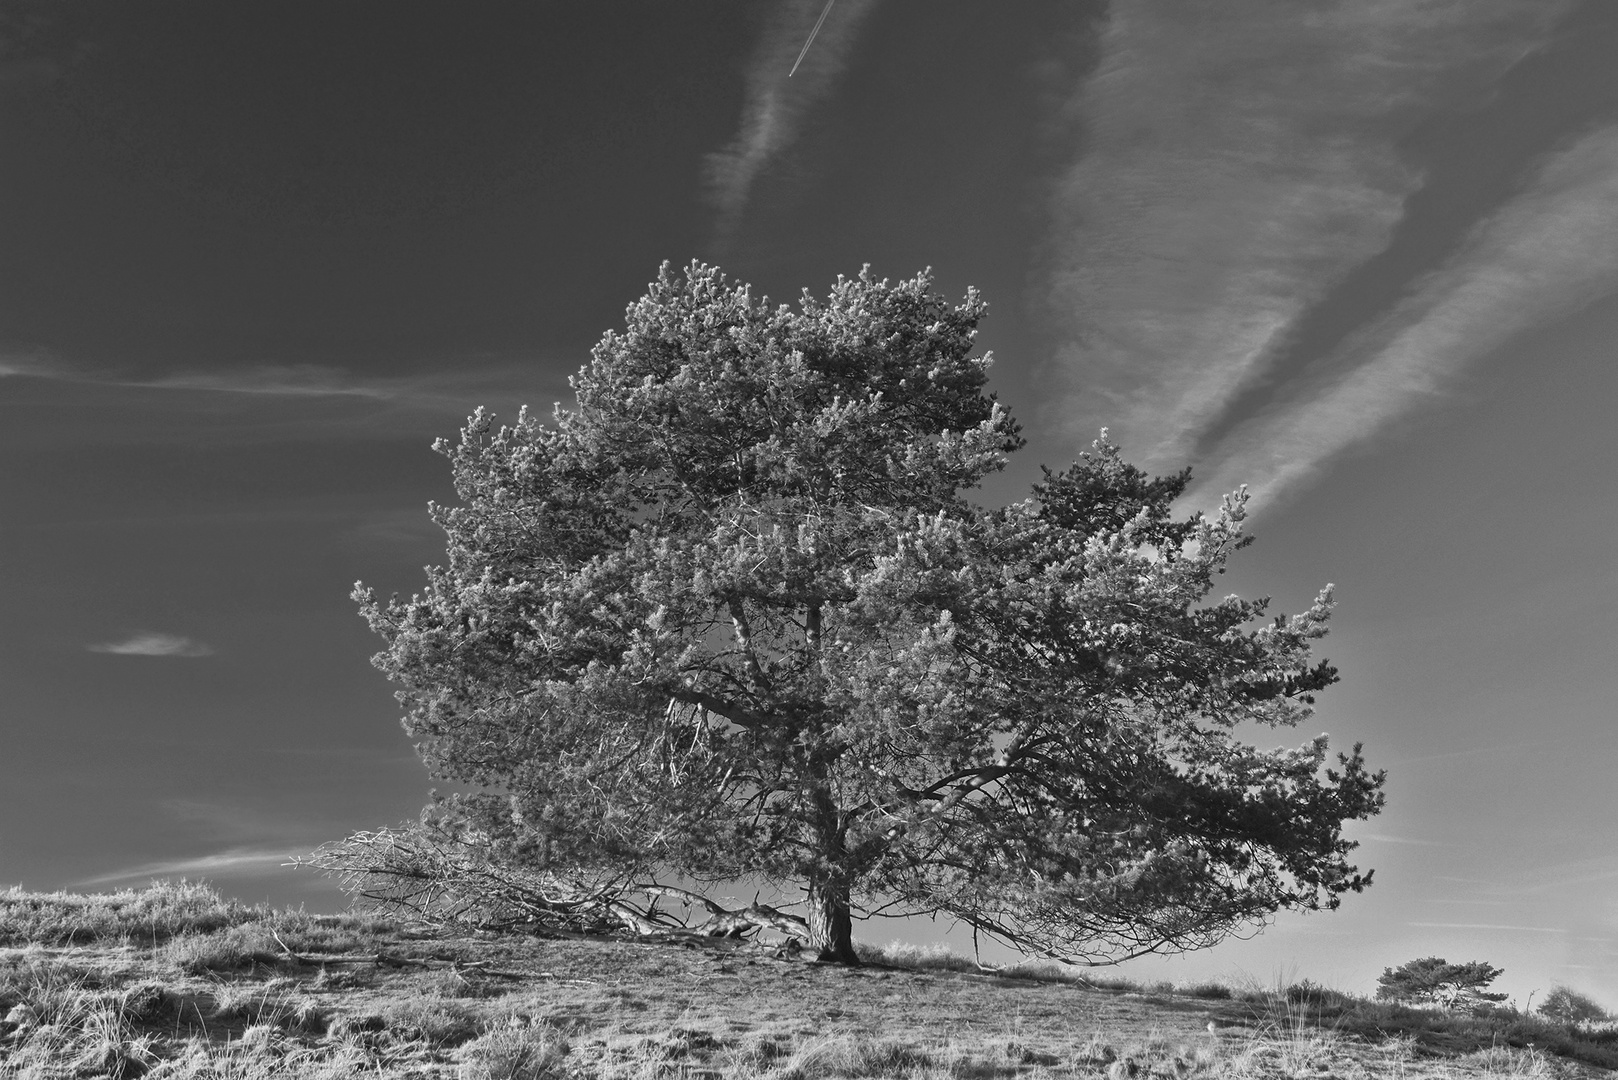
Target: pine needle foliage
(732, 616)
(1434, 980)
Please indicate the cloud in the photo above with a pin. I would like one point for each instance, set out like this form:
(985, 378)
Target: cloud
(1559, 879)
(231, 861)
(1387, 839)
(774, 106)
(1548, 252)
(1533, 884)
(25, 366)
(1469, 752)
(411, 529)
(291, 402)
(301, 381)
(148, 643)
(1235, 162)
(1490, 926)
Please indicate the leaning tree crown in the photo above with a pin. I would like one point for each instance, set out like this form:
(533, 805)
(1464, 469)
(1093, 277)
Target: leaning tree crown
(732, 617)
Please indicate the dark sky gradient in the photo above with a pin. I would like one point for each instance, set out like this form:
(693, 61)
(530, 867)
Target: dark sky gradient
(255, 257)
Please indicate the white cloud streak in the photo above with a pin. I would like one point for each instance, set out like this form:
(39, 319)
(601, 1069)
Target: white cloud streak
(1387, 839)
(303, 381)
(1516, 747)
(149, 643)
(1547, 253)
(1490, 926)
(302, 401)
(774, 106)
(232, 861)
(299, 381)
(25, 367)
(1236, 161)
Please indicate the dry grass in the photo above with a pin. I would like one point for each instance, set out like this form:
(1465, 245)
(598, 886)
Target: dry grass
(152, 914)
(217, 993)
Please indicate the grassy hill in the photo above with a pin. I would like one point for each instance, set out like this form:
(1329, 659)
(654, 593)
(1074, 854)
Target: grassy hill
(173, 981)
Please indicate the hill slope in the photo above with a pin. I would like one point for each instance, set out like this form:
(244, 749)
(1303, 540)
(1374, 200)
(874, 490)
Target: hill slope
(175, 982)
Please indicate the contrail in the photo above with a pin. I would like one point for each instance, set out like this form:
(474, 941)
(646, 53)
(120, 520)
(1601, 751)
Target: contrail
(773, 109)
(1546, 253)
(818, 24)
(233, 861)
(1236, 161)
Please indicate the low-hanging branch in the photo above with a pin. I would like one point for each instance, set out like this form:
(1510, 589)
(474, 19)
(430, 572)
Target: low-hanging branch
(422, 873)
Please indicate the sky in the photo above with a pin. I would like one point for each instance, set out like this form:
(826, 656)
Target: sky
(1358, 255)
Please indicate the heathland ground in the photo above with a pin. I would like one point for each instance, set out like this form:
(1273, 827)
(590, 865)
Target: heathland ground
(174, 981)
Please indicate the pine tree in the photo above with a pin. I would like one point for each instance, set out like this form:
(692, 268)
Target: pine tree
(732, 617)
(1433, 979)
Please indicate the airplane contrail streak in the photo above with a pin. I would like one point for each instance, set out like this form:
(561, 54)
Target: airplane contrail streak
(818, 24)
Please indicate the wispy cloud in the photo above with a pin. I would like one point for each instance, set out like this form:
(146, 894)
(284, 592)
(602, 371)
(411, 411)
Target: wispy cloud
(231, 861)
(1596, 871)
(1385, 838)
(16, 365)
(1237, 161)
(149, 643)
(1490, 926)
(1468, 752)
(295, 401)
(1548, 252)
(302, 381)
(297, 381)
(1530, 884)
(775, 105)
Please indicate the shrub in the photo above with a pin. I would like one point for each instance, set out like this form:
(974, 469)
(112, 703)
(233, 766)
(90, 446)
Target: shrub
(1312, 993)
(1118, 984)
(1210, 991)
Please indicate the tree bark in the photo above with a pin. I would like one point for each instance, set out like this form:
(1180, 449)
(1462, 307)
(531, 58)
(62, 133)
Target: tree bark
(831, 926)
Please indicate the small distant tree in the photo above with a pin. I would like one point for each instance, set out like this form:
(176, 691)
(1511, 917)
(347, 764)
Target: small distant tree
(733, 618)
(1568, 1006)
(1434, 980)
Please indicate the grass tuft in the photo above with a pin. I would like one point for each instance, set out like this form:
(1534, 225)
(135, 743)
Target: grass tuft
(434, 1020)
(234, 949)
(150, 915)
(520, 1052)
(853, 1057)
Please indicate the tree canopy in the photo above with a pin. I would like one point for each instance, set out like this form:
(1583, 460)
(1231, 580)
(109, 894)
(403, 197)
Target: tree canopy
(732, 617)
(1568, 1006)
(1434, 980)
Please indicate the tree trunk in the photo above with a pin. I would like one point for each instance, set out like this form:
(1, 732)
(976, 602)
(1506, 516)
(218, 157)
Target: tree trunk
(831, 928)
